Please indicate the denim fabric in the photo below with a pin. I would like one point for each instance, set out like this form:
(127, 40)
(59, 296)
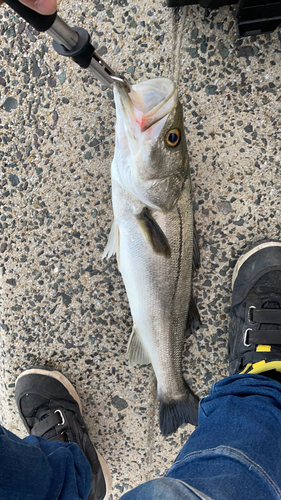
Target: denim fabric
(165, 488)
(235, 452)
(36, 469)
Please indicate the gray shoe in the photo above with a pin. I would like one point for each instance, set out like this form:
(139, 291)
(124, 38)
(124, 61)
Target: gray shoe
(50, 407)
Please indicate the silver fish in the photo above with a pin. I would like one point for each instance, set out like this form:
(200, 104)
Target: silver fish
(152, 235)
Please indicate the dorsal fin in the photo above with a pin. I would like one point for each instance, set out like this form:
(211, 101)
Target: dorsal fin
(196, 250)
(193, 317)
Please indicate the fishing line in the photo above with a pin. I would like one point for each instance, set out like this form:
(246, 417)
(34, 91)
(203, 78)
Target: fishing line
(178, 34)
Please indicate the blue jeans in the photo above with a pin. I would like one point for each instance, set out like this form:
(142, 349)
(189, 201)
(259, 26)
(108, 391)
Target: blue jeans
(36, 469)
(235, 453)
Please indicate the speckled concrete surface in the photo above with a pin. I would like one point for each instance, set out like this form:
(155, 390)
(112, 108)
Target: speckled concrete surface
(61, 305)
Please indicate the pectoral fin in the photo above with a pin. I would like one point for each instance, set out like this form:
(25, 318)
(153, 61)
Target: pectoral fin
(136, 352)
(153, 233)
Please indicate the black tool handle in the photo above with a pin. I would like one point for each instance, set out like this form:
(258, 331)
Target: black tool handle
(39, 21)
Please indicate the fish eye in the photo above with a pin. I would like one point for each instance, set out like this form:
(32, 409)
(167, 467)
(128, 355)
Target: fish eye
(173, 137)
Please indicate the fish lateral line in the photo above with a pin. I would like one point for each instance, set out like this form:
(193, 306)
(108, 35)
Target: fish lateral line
(153, 233)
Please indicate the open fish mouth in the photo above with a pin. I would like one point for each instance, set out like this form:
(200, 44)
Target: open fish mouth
(147, 106)
(153, 100)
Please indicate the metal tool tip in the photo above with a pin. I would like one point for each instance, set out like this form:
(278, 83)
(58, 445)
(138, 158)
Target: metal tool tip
(121, 80)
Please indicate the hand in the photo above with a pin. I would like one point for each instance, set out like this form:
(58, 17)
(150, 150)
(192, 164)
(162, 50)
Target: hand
(41, 6)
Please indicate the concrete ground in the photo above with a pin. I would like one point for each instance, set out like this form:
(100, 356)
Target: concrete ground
(61, 305)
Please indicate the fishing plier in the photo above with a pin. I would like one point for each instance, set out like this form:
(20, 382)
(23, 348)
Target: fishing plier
(71, 42)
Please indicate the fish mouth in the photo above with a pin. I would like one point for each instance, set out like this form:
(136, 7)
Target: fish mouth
(147, 104)
(154, 99)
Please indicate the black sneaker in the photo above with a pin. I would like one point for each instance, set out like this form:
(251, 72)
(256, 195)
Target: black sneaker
(50, 408)
(254, 344)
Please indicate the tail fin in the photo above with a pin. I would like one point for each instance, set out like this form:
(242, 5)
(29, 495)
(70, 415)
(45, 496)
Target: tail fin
(176, 413)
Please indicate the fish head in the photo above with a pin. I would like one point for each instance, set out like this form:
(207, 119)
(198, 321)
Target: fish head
(150, 150)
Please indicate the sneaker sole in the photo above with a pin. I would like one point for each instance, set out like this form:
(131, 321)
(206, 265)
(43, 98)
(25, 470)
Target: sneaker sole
(70, 388)
(245, 256)
(106, 474)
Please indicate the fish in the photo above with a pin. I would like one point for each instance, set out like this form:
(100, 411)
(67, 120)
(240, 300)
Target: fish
(154, 237)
